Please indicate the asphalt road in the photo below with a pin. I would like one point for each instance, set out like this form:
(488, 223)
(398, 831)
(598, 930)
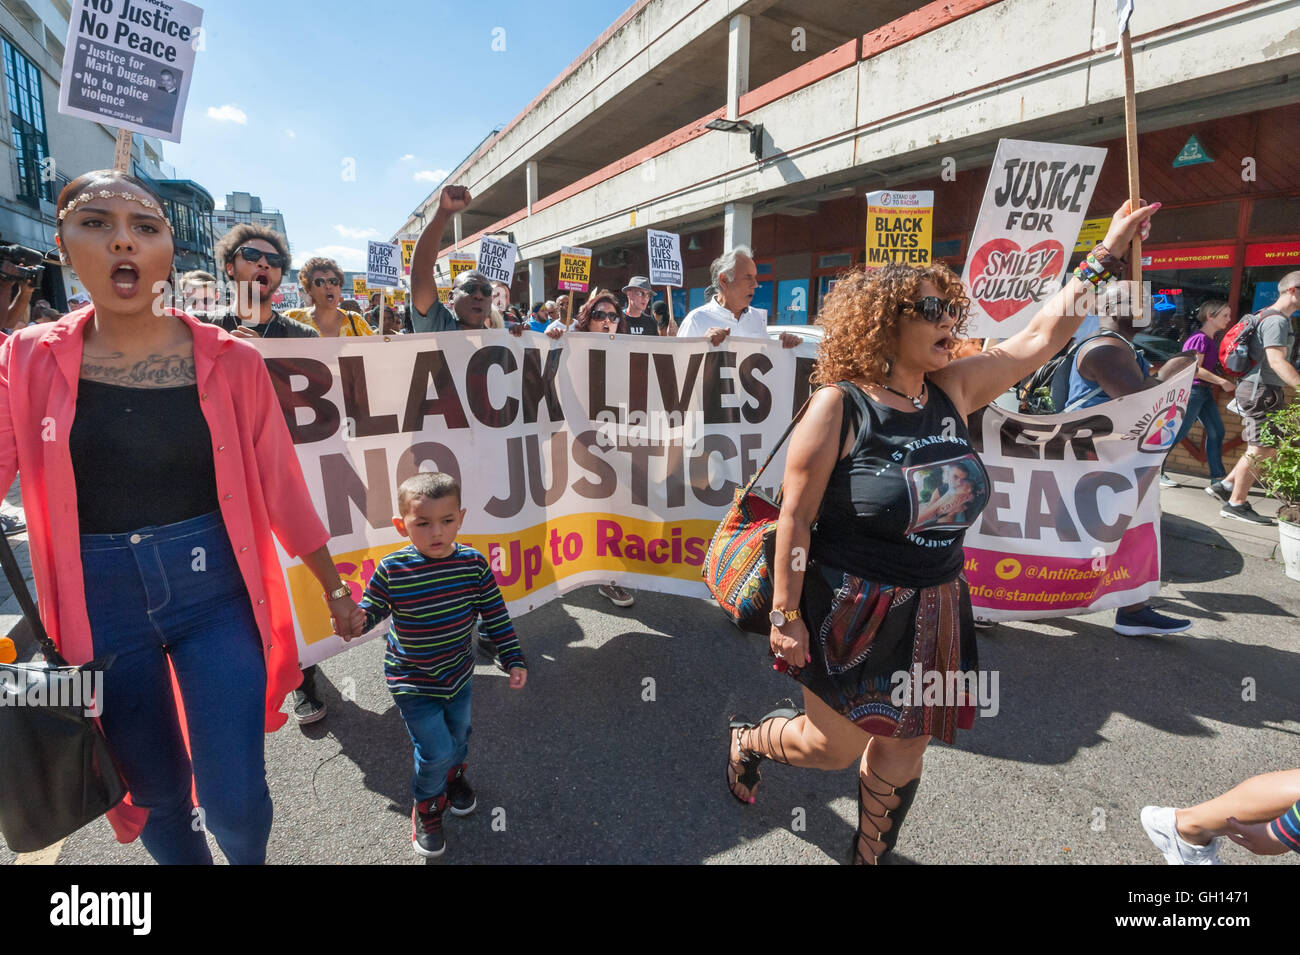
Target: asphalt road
(587, 764)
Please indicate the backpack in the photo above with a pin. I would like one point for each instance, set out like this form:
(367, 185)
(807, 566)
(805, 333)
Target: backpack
(1237, 344)
(1046, 391)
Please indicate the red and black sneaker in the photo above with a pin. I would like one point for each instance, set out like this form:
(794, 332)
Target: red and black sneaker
(459, 793)
(426, 827)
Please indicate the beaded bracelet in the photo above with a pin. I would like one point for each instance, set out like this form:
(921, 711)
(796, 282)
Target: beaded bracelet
(1090, 271)
(1115, 265)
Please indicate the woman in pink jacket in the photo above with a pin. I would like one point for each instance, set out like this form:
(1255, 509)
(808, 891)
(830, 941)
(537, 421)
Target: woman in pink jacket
(156, 466)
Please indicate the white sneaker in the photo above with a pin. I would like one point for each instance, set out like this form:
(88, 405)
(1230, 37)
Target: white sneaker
(1161, 824)
(1234, 407)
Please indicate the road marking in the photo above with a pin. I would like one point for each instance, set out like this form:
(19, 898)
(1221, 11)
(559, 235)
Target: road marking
(47, 856)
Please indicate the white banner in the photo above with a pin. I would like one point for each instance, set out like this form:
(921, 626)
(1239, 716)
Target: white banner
(383, 265)
(1034, 203)
(1073, 520)
(665, 257)
(127, 63)
(496, 259)
(581, 461)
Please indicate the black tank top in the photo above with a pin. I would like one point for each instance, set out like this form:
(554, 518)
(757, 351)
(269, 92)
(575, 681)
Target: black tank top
(897, 506)
(142, 457)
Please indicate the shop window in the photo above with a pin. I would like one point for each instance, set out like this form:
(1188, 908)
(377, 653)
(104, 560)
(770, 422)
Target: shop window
(838, 260)
(1176, 295)
(1196, 223)
(1275, 216)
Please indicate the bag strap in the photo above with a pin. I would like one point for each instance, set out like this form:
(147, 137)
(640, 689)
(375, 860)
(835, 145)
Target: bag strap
(19, 587)
(749, 486)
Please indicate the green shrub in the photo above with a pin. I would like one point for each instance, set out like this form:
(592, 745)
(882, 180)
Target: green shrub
(1280, 474)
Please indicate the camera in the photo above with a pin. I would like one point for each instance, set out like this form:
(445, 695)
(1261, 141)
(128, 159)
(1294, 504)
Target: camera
(21, 264)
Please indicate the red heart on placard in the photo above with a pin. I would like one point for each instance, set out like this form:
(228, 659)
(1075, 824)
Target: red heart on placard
(1001, 308)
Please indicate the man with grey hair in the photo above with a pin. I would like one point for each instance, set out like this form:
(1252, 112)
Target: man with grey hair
(736, 277)
(1260, 392)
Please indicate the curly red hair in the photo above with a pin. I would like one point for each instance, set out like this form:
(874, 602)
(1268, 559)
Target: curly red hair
(861, 314)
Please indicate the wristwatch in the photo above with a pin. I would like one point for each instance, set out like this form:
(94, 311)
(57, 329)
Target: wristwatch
(780, 618)
(344, 591)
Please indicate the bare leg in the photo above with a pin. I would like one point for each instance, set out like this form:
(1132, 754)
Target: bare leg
(887, 765)
(1258, 799)
(1243, 473)
(820, 739)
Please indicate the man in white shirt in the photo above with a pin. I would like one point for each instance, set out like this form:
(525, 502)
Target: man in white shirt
(736, 277)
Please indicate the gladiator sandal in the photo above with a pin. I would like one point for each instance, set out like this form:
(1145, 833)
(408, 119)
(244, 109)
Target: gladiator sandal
(744, 771)
(906, 794)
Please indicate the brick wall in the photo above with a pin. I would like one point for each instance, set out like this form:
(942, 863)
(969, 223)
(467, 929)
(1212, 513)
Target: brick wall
(1189, 456)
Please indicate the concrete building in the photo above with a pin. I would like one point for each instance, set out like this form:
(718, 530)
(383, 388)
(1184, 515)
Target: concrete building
(243, 207)
(846, 98)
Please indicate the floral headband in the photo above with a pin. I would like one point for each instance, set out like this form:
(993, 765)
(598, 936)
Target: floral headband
(109, 194)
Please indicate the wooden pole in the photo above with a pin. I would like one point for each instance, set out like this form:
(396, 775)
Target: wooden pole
(122, 153)
(672, 320)
(1134, 194)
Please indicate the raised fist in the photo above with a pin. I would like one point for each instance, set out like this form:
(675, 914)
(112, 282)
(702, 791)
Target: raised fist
(453, 199)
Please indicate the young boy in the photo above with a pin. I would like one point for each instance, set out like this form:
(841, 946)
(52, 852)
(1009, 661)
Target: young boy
(434, 589)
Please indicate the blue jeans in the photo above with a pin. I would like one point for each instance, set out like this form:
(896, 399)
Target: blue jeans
(171, 599)
(1201, 405)
(440, 731)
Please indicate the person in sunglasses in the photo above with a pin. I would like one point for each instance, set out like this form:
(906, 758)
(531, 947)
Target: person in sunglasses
(880, 484)
(322, 282)
(254, 259)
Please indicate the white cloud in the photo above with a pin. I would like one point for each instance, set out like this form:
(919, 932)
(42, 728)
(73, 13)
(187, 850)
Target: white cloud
(291, 134)
(348, 258)
(356, 233)
(431, 175)
(408, 157)
(228, 114)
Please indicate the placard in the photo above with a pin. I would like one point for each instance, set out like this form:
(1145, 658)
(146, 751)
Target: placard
(459, 262)
(496, 259)
(900, 228)
(665, 250)
(575, 268)
(127, 63)
(383, 264)
(408, 252)
(1034, 203)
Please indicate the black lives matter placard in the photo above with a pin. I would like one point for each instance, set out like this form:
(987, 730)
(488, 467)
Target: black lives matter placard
(127, 63)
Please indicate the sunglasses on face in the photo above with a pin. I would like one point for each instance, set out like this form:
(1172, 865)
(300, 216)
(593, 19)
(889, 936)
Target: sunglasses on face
(933, 309)
(321, 282)
(474, 288)
(273, 259)
(604, 316)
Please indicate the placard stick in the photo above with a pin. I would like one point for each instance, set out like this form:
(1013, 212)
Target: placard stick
(668, 294)
(122, 153)
(1131, 145)
(989, 343)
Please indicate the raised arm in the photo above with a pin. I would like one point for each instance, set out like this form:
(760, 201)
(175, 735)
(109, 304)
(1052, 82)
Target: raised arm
(975, 381)
(424, 292)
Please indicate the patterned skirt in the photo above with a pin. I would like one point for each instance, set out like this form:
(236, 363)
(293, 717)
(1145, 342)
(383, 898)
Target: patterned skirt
(896, 661)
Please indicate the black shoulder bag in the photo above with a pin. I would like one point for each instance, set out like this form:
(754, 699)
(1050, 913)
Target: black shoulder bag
(56, 771)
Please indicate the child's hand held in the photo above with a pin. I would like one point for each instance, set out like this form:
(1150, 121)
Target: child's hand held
(518, 677)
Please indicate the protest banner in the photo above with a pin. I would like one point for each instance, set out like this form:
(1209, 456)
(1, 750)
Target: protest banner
(1034, 203)
(128, 64)
(575, 268)
(665, 250)
(900, 228)
(496, 259)
(408, 251)
(359, 290)
(459, 262)
(572, 471)
(383, 265)
(1073, 520)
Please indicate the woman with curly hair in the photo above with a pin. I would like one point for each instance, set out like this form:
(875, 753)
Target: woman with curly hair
(322, 283)
(882, 465)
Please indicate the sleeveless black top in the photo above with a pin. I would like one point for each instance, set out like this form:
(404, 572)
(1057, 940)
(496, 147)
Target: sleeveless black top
(897, 506)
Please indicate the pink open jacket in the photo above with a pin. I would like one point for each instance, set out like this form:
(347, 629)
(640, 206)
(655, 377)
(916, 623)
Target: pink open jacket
(259, 483)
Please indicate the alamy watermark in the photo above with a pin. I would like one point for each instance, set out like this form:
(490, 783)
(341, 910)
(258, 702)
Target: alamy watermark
(919, 687)
(65, 689)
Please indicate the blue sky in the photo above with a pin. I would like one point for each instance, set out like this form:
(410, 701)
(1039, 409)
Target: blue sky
(283, 94)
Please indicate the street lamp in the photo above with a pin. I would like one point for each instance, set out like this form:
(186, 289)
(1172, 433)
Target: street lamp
(741, 126)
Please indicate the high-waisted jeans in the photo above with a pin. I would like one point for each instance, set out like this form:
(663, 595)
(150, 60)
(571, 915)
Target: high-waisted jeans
(1201, 406)
(174, 595)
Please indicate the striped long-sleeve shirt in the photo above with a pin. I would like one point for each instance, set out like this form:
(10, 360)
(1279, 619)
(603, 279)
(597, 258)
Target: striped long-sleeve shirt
(433, 603)
(1286, 828)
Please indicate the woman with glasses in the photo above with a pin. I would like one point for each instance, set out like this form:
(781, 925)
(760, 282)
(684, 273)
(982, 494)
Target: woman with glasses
(322, 282)
(883, 466)
(158, 475)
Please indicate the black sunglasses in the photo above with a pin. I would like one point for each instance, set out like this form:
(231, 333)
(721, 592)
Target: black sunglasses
(605, 316)
(273, 259)
(471, 288)
(932, 309)
(318, 281)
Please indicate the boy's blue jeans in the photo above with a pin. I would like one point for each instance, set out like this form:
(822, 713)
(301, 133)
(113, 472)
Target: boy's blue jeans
(174, 594)
(440, 731)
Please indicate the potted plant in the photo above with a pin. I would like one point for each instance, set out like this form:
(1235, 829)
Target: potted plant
(1280, 475)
